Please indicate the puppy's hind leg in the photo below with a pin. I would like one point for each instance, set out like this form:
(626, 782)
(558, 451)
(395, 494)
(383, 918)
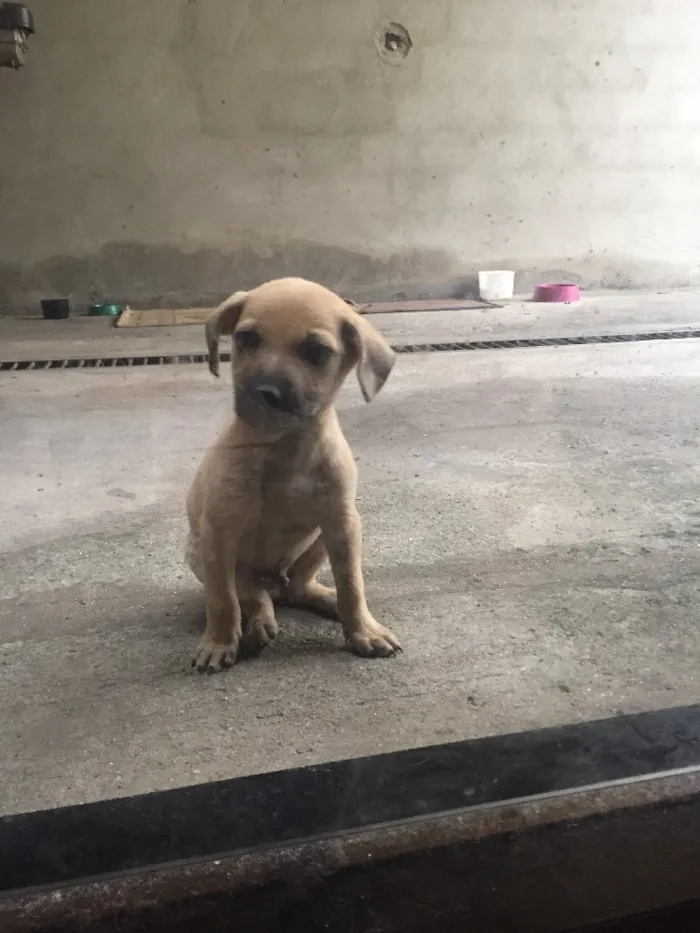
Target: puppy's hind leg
(303, 591)
(259, 623)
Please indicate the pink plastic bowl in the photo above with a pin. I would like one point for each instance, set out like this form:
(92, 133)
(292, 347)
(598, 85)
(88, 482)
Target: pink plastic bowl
(557, 293)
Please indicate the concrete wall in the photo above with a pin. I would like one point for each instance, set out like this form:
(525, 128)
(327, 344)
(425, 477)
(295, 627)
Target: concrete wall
(173, 150)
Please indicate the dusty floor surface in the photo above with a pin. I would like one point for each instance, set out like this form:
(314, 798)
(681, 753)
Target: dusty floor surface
(532, 534)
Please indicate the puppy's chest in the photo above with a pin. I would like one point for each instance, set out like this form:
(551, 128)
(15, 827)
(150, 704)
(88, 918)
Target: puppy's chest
(287, 492)
(289, 499)
(286, 521)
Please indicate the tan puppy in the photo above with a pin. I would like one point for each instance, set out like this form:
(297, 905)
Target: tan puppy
(274, 497)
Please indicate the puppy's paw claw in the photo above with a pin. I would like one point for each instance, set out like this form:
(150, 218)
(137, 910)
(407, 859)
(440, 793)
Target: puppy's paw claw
(212, 657)
(374, 642)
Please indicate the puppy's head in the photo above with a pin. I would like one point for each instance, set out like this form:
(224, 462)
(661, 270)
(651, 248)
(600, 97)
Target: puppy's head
(294, 342)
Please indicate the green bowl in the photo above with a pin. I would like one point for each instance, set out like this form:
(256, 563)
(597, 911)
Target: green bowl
(105, 310)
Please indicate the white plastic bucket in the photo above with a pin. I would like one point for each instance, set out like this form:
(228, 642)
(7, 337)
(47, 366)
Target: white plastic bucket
(496, 284)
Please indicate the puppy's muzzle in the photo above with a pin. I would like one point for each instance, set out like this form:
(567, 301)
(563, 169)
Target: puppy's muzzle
(275, 395)
(269, 401)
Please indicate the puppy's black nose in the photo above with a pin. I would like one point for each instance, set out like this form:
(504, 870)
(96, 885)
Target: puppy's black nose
(275, 395)
(270, 395)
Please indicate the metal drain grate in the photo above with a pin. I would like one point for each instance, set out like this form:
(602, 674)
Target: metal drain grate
(546, 342)
(111, 362)
(106, 362)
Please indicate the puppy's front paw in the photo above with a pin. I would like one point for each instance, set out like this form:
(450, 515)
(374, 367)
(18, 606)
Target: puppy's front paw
(212, 657)
(374, 641)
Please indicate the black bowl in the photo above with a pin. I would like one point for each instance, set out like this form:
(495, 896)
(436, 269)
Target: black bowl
(55, 309)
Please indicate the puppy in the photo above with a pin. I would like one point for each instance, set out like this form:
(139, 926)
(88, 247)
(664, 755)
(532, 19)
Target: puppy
(274, 497)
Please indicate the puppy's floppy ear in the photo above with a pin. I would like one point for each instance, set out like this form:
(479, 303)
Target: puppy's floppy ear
(370, 352)
(222, 321)
(358, 308)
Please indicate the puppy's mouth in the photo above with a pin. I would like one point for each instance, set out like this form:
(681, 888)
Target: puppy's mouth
(271, 406)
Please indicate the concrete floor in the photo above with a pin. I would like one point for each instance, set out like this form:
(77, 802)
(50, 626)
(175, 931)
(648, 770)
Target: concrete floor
(532, 535)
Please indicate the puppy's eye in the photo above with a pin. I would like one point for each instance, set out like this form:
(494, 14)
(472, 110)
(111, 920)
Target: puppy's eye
(247, 339)
(314, 352)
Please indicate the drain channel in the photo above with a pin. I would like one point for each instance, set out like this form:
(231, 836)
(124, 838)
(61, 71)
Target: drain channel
(112, 362)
